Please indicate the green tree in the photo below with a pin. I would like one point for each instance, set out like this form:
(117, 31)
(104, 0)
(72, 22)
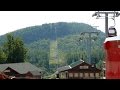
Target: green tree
(2, 56)
(14, 49)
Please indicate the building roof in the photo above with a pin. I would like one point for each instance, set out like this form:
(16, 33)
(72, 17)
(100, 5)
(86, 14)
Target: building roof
(76, 63)
(20, 67)
(70, 66)
(63, 68)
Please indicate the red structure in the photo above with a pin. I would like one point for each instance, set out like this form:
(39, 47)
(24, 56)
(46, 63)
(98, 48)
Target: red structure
(112, 57)
(3, 76)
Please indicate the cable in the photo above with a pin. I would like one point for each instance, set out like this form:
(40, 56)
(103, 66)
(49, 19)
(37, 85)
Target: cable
(114, 22)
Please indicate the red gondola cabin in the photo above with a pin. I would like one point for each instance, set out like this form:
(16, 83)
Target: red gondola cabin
(112, 51)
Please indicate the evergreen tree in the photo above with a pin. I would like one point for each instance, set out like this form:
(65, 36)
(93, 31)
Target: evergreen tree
(14, 49)
(2, 56)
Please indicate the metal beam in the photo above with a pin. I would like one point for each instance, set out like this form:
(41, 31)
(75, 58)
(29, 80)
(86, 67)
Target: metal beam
(89, 43)
(115, 14)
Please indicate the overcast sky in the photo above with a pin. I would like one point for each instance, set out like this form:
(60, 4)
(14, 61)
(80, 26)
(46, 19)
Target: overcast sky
(13, 20)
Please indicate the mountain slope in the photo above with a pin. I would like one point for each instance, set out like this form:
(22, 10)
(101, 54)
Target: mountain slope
(50, 31)
(41, 43)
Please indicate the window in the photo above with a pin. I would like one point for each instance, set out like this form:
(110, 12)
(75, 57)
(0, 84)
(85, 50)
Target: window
(97, 74)
(118, 46)
(86, 75)
(83, 67)
(70, 74)
(111, 31)
(91, 74)
(75, 74)
(7, 71)
(81, 74)
(63, 75)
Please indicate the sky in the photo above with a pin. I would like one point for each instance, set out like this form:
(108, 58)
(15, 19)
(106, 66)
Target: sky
(13, 20)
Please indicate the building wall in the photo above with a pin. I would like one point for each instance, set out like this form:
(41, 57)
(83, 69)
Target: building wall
(30, 76)
(82, 71)
(79, 75)
(10, 72)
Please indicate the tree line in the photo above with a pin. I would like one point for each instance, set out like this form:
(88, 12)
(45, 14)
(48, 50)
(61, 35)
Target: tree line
(32, 44)
(13, 50)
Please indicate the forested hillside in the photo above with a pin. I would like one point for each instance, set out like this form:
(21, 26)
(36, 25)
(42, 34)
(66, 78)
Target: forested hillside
(57, 44)
(49, 31)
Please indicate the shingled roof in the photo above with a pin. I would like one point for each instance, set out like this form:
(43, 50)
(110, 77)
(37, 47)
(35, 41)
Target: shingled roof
(63, 68)
(21, 68)
(76, 63)
(69, 66)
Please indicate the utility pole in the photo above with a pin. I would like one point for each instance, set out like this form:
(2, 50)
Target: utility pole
(99, 13)
(88, 39)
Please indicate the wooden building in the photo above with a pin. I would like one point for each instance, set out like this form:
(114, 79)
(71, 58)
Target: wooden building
(78, 70)
(103, 70)
(3, 76)
(21, 70)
